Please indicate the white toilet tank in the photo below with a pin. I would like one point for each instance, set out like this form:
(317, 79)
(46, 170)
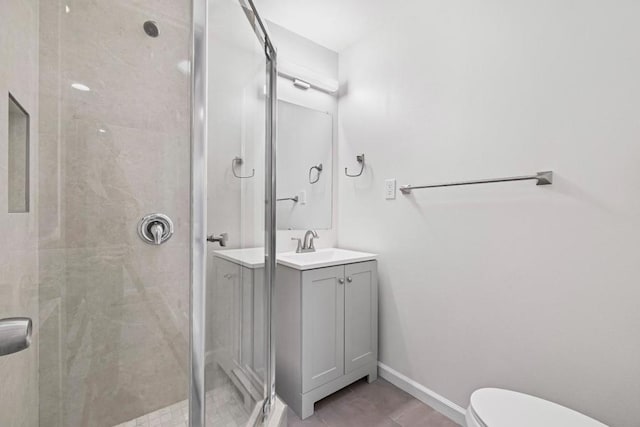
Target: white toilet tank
(494, 407)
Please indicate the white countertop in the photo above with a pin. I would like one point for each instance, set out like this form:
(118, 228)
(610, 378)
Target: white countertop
(323, 258)
(249, 257)
(254, 258)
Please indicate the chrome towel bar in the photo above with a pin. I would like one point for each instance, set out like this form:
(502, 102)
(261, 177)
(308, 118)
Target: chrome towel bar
(294, 199)
(542, 178)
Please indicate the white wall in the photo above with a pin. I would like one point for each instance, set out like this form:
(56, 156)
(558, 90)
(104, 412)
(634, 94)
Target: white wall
(510, 285)
(295, 49)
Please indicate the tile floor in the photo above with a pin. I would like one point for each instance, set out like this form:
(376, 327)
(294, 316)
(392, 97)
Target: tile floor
(223, 408)
(379, 404)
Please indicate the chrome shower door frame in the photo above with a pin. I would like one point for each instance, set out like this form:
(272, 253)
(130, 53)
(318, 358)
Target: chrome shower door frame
(198, 216)
(199, 140)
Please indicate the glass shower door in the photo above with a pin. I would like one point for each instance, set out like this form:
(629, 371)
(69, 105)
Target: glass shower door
(114, 129)
(138, 317)
(238, 377)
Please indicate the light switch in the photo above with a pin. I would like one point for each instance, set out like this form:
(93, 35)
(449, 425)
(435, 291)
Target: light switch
(390, 189)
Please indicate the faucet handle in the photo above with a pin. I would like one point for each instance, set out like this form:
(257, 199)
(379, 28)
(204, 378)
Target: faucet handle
(311, 245)
(299, 248)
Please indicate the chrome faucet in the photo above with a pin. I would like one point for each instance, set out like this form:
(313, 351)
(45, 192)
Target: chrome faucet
(306, 244)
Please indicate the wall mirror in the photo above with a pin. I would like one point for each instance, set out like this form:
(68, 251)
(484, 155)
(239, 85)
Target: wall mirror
(305, 168)
(18, 179)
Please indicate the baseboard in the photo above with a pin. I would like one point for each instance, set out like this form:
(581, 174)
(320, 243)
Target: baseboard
(420, 392)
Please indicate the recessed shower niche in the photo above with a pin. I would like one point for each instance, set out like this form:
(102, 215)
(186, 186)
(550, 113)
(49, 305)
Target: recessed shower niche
(18, 176)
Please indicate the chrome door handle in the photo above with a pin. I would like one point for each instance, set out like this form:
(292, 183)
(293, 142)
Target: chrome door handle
(15, 335)
(349, 279)
(222, 239)
(341, 281)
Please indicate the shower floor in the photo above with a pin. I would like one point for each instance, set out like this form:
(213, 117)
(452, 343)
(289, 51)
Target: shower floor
(223, 408)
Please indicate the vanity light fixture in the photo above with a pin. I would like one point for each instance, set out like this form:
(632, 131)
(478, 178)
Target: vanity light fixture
(301, 84)
(305, 78)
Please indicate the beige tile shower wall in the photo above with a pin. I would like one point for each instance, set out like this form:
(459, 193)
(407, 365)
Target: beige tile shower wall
(511, 285)
(114, 310)
(19, 231)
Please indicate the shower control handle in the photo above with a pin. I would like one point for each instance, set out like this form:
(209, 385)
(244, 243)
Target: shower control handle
(155, 229)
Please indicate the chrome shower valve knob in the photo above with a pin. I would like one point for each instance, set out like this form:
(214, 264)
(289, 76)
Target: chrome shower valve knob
(155, 229)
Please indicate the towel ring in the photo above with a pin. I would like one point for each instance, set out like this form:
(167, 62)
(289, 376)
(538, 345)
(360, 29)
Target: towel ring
(319, 169)
(239, 161)
(359, 159)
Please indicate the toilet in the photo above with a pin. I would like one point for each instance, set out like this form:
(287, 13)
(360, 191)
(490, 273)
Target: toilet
(494, 407)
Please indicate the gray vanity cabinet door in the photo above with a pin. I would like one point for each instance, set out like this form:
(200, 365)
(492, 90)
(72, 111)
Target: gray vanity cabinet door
(361, 315)
(246, 316)
(228, 317)
(322, 326)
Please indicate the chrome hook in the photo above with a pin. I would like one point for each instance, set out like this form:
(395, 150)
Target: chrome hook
(239, 161)
(359, 159)
(319, 169)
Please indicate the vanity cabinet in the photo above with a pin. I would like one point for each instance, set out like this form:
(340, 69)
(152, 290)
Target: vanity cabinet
(236, 342)
(326, 323)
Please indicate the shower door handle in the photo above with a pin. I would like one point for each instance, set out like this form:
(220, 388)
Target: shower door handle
(15, 335)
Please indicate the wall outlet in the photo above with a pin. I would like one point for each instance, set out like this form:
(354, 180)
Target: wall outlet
(390, 189)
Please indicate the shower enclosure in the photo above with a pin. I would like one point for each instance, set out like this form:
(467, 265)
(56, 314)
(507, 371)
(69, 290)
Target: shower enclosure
(136, 110)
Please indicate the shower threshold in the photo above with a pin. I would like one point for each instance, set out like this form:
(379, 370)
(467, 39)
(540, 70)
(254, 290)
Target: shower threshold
(224, 407)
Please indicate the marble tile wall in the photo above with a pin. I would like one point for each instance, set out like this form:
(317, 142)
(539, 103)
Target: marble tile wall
(114, 311)
(19, 231)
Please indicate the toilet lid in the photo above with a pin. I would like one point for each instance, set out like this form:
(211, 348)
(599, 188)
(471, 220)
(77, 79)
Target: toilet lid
(495, 407)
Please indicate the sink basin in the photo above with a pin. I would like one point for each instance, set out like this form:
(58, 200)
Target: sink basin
(323, 258)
